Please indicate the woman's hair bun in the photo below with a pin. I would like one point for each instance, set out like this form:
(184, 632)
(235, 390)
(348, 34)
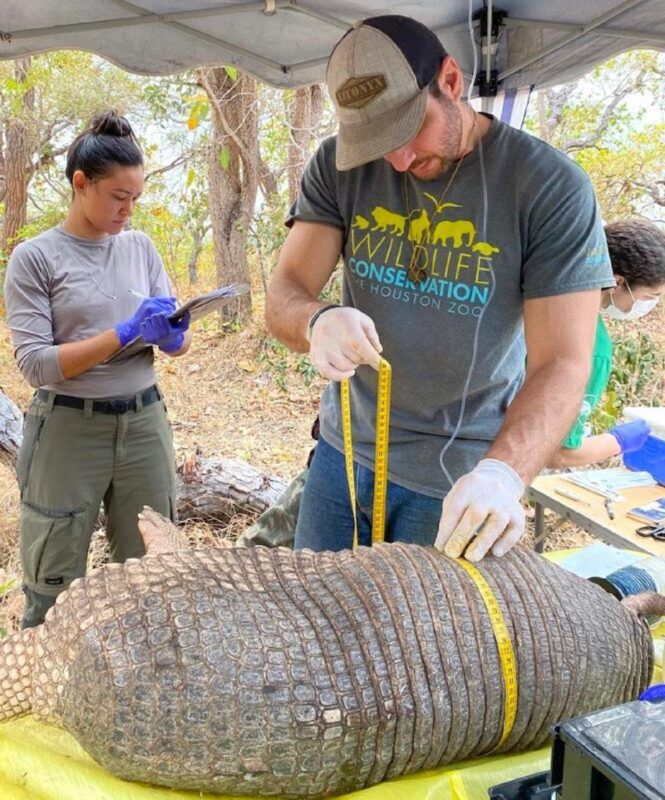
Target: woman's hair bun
(110, 123)
(107, 142)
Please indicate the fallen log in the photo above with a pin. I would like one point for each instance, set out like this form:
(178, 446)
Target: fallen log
(214, 489)
(11, 430)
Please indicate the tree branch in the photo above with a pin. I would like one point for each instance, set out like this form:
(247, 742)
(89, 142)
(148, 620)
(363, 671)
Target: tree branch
(183, 158)
(47, 158)
(205, 83)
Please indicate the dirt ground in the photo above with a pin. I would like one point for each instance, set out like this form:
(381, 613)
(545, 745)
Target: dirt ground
(231, 396)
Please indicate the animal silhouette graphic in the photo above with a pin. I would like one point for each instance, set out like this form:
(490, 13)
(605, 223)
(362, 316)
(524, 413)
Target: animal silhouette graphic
(360, 222)
(419, 227)
(384, 218)
(485, 248)
(438, 207)
(456, 230)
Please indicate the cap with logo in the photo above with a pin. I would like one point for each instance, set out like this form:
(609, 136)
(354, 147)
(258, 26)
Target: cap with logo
(377, 77)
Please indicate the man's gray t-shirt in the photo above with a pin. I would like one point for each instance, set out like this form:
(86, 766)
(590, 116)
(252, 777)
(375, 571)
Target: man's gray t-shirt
(63, 288)
(542, 236)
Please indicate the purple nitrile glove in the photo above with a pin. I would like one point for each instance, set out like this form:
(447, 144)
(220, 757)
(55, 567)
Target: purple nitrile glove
(167, 335)
(631, 435)
(131, 328)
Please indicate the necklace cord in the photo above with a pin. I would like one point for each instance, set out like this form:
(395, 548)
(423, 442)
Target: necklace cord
(415, 272)
(97, 283)
(474, 351)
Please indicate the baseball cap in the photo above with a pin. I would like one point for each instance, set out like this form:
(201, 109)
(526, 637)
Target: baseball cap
(377, 77)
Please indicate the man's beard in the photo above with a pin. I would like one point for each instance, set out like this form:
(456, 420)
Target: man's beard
(449, 146)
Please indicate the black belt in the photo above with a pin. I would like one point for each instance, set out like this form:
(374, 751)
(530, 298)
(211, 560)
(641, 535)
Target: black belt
(119, 406)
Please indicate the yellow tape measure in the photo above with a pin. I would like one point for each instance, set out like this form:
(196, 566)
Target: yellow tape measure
(504, 645)
(380, 452)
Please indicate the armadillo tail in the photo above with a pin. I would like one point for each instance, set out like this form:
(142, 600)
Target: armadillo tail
(16, 668)
(159, 534)
(645, 604)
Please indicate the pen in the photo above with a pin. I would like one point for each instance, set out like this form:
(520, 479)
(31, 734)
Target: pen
(571, 496)
(138, 294)
(609, 508)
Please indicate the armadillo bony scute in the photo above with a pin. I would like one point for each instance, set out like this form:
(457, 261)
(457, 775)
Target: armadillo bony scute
(269, 671)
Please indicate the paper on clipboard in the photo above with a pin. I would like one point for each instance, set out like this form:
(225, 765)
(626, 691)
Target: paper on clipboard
(198, 307)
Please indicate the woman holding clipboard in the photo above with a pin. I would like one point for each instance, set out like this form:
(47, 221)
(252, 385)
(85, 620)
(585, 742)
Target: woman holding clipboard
(96, 430)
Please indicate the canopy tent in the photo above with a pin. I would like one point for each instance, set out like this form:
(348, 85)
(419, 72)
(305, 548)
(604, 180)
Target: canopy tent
(286, 42)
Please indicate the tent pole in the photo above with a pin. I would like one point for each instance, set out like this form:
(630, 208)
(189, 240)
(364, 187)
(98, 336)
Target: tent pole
(488, 34)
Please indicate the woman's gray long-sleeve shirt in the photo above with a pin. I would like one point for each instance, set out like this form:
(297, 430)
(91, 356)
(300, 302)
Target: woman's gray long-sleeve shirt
(63, 288)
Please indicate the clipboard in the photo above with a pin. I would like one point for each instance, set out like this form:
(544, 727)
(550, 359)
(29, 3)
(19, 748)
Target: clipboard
(198, 307)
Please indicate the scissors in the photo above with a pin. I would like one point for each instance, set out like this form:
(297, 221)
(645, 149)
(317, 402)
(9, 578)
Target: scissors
(654, 531)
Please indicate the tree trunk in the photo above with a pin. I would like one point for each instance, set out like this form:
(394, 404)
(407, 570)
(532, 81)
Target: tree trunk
(233, 175)
(17, 164)
(197, 245)
(3, 168)
(305, 114)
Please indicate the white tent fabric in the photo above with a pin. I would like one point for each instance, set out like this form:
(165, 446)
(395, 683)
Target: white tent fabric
(286, 42)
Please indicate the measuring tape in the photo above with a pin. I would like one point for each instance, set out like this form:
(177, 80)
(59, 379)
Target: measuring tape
(504, 645)
(380, 452)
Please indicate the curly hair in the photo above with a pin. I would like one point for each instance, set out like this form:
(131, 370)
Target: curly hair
(637, 251)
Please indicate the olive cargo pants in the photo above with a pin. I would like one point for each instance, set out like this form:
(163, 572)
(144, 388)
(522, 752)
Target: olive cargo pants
(70, 462)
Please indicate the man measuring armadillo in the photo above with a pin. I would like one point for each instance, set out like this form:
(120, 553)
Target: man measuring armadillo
(468, 246)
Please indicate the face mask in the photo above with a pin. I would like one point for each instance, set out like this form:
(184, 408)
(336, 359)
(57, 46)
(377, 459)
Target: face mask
(640, 308)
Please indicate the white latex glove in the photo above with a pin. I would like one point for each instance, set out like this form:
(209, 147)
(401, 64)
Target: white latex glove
(483, 506)
(342, 339)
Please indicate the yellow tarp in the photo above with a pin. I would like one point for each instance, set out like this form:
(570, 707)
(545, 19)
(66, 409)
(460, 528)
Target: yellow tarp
(40, 762)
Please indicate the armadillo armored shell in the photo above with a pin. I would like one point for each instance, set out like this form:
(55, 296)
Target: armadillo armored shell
(301, 674)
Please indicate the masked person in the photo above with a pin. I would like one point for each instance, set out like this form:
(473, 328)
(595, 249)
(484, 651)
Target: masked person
(467, 247)
(637, 253)
(95, 432)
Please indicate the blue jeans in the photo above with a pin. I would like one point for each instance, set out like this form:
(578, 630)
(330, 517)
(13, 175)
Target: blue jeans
(325, 521)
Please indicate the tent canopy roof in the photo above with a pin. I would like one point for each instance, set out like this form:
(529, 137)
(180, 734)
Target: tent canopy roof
(287, 42)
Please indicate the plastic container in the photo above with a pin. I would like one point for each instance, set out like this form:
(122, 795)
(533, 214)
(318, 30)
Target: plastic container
(614, 754)
(650, 457)
(654, 416)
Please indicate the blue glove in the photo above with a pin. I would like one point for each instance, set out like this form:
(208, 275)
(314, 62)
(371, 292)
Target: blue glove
(654, 694)
(167, 335)
(131, 328)
(631, 435)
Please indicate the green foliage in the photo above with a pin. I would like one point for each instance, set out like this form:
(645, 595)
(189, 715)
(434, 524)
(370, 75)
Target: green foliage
(172, 237)
(609, 123)
(267, 232)
(51, 216)
(332, 291)
(224, 157)
(638, 366)
(60, 93)
(280, 360)
(198, 110)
